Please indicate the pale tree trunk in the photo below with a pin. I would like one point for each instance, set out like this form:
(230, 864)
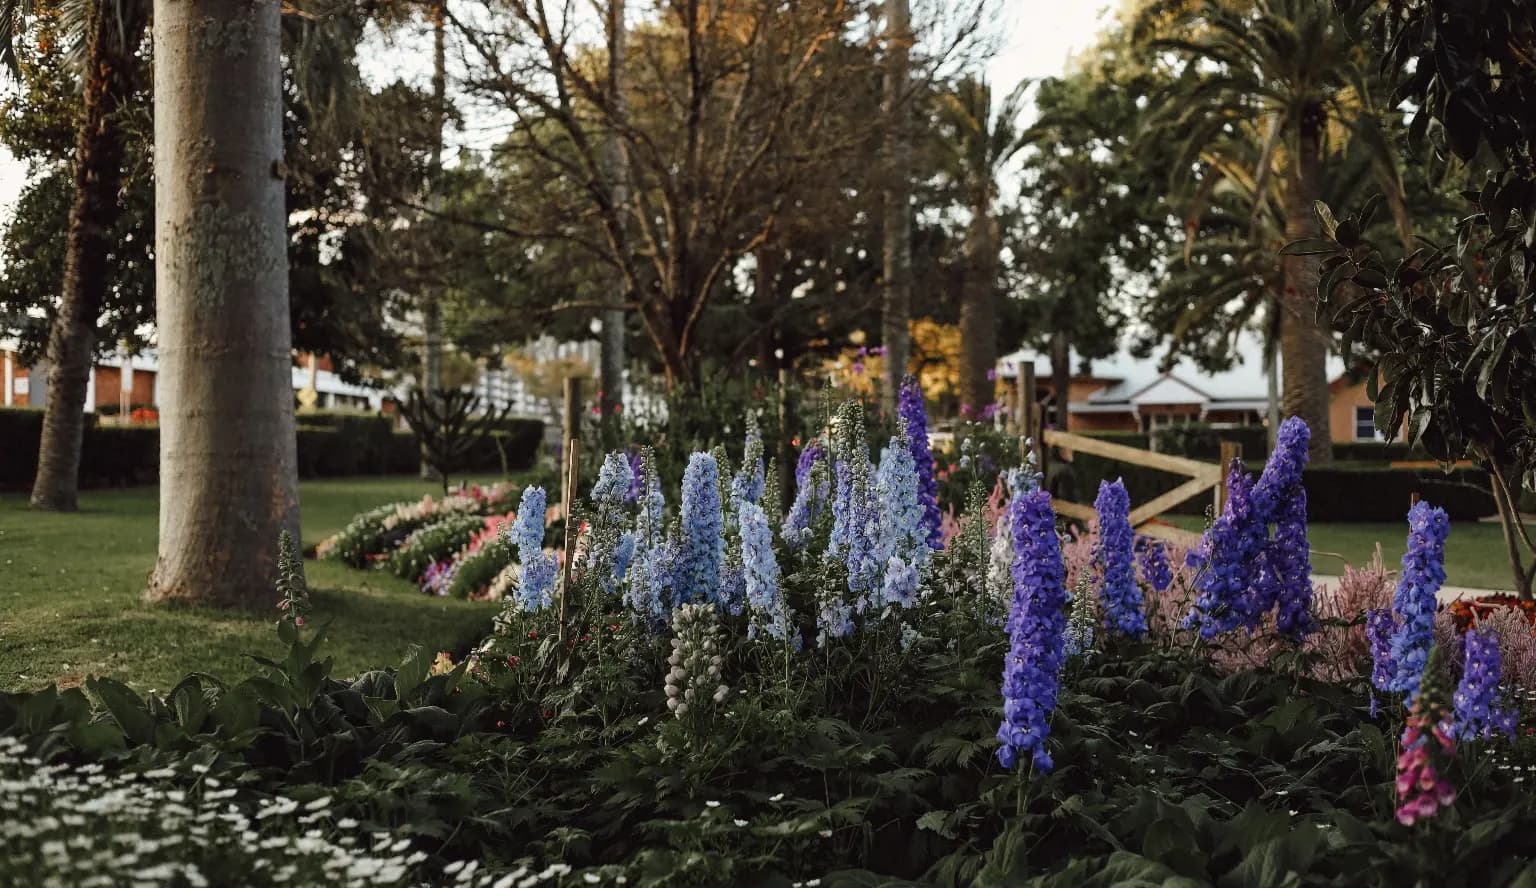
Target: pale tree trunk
(897, 252)
(433, 323)
(72, 340)
(978, 316)
(611, 361)
(1303, 344)
(227, 461)
(1272, 371)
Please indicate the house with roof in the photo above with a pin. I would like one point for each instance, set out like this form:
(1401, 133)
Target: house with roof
(1127, 393)
(121, 382)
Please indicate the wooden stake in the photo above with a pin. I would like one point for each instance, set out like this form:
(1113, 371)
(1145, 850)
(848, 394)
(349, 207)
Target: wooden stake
(567, 503)
(1230, 450)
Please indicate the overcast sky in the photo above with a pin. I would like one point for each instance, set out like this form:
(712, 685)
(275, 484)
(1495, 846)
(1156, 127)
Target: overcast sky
(1040, 35)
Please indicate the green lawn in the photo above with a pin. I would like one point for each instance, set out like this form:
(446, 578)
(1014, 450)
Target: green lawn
(1474, 554)
(70, 603)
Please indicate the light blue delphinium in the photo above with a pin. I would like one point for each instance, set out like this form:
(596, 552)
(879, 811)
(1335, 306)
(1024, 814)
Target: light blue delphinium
(842, 505)
(536, 584)
(769, 611)
(747, 485)
(899, 586)
(703, 544)
(649, 580)
(902, 531)
(1121, 597)
(613, 481)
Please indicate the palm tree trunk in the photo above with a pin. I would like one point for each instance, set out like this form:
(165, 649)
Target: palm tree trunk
(432, 372)
(1303, 344)
(1061, 376)
(897, 252)
(98, 173)
(978, 315)
(227, 463)
(611, 370)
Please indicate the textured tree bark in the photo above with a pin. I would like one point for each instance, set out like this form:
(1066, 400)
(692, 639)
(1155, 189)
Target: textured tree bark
(978, 315)
(72, 340)
(432, 324)
(227, 461)
(1303, 344)
(1061, 377)
(897, 222)
(611, 360)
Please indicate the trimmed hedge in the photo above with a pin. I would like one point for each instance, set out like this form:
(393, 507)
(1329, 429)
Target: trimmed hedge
(1351, 492)
(333, 445)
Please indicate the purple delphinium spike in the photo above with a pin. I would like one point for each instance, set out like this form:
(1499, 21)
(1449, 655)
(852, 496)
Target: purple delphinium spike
(1152, 564)
(1120, 596)
(1280, 497)
(810, 497)
(1379, 627)
(636, 477)
(1036, 626)
(1414, 602)
(915, 416)
(1226, 554)
(1479, 713)
(808, 457)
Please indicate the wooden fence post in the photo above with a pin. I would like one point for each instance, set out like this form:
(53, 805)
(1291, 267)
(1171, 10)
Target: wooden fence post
(1029, 413)
(1230, 450)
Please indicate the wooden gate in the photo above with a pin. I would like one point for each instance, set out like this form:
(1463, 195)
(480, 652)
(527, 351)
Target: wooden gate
(1202, 476)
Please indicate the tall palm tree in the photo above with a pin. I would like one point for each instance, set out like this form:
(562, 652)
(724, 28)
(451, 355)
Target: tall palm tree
(1229, 280)
(979, 141)
(1293, 67)
(896, 275)
(109, 33)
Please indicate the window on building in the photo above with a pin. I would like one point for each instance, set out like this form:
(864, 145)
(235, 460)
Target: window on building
(1365, 425)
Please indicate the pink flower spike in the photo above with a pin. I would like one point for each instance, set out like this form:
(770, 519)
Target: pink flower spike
(298, 621)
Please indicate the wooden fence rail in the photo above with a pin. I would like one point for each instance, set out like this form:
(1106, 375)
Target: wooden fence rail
(1202, 477)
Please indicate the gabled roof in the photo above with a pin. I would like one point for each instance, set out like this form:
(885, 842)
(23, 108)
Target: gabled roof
(1131, 381)
(1169, 389)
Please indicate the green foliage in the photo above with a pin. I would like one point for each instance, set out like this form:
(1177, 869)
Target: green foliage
(433, 542)
(450, 424)
(476, 571)
(355, 444)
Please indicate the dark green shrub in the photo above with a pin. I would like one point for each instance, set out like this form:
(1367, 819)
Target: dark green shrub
(1357, 492)
(1197, 440)
(329, 445)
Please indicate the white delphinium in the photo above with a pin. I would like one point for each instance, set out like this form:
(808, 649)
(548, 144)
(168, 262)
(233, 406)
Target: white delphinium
(1083, 618)
(693, 673)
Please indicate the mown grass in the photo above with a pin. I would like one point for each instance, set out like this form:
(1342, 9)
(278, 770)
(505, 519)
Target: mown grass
(1475, 554)
(71, 605)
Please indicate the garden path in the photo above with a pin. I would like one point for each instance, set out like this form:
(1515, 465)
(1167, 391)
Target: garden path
(1447, 593)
